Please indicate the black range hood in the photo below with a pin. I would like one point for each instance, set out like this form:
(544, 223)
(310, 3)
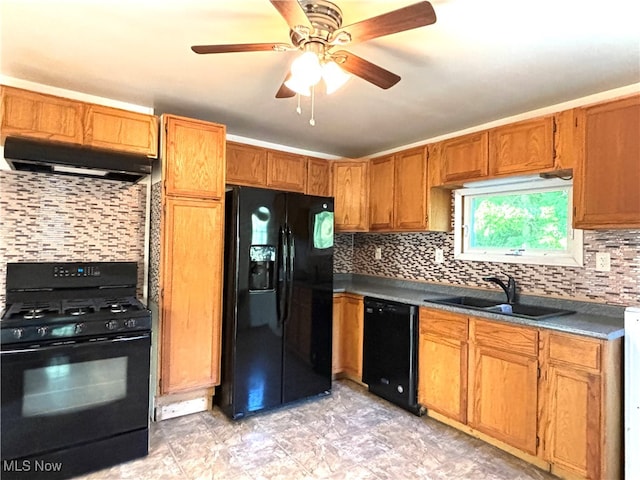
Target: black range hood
(49, 157)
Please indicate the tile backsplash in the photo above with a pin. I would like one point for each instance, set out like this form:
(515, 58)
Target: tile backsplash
(409, 256)
(47, 218)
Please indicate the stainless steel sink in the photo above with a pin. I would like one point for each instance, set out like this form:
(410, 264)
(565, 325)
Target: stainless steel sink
(531, 312)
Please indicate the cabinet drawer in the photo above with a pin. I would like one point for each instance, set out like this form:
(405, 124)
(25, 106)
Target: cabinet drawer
(505, 337)
(445, 324)
(573, 350)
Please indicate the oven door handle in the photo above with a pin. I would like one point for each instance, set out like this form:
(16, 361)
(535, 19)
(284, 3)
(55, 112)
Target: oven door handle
(74, 344)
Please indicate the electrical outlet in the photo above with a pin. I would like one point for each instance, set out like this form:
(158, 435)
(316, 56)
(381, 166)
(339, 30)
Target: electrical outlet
(603, 262)
(439, 255)
(378, 254)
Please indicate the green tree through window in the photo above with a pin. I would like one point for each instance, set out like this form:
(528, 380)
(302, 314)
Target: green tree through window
(522, 220)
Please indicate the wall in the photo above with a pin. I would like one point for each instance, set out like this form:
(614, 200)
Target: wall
(47, 218)
(410, 256)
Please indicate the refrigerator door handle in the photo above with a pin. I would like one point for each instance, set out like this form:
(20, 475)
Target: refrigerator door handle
(291, 247)
(281, 287)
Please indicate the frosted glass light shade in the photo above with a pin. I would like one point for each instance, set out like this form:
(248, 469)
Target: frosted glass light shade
(298, 86)
(305, 72)
(334, 77)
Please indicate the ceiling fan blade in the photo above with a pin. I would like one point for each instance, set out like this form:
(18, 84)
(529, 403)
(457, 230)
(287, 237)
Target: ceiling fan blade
(292, 12)
(285, 92)
(364, 69)
(241, 47)
(414, 16)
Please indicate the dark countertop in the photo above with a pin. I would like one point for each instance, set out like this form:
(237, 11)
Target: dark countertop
(591, 319)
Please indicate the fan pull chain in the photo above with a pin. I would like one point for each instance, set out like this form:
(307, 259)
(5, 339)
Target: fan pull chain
(312, 121)
(298, 108)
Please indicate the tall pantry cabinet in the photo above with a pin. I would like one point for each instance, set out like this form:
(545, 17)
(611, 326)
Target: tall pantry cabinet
(188, 229)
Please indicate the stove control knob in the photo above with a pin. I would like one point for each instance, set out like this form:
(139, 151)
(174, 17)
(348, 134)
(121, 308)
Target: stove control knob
(79, 328)
(111, 324)
(42, 331)
(130, 323)
(18, 333)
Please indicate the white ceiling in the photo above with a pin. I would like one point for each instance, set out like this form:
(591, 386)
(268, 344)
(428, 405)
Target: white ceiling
(482, 60)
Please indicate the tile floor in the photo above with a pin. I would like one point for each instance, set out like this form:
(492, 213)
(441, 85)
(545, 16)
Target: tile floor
(350, 434)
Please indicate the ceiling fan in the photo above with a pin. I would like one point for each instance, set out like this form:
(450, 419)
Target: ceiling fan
(316, 30)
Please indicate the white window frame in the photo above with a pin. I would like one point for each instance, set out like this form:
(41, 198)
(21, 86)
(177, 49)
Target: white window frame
(573, 256)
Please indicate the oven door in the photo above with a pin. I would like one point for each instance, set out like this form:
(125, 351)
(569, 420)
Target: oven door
(60, 395)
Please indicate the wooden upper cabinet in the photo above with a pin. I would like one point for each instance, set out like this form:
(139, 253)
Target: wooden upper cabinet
(607, 174)
(194, 158)
(191, 285)
(286, 171)
(381, 193)
(410, 201)
(36, 115)
(246, 165)
(351, 193)
(464, 158)
(116, 129)
(522, 147)
(318, 177)
(418, 206)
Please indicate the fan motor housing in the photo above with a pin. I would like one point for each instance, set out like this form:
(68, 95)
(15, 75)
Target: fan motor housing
(325, 17)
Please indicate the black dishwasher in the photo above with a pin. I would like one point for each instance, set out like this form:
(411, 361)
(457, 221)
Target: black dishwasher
(390, 352)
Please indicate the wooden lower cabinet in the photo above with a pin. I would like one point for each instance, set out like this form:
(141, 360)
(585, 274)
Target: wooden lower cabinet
(503, 382)
(348, 330)
(551, 398)
(191, 298)
(442, 367)
(580, 421)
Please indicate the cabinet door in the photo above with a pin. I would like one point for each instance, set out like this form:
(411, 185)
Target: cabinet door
(381, 193)
(411, 190)
(35, 115)
(464, 158)
(522, 147)
(607, 175)
(318, 177)
(286, 171)
(193, 165)
(336, 351)
(351, 192)
(442, 376)
(503, 396)
(122, 130)
(442, 363)
(191, 294)
(246, 165)
(573, 430)
(352, 335)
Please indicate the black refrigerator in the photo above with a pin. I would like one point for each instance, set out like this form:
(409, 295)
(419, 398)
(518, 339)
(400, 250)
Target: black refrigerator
(278, 300)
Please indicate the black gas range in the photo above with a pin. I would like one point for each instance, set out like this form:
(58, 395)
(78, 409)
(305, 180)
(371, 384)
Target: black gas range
(75, 349)
(60, 301)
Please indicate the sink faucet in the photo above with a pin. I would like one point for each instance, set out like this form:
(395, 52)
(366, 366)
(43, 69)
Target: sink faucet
(509, 289)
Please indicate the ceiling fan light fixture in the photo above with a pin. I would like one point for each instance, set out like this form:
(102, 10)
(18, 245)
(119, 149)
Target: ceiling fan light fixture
(306, 69)
(334, 77)
(298, 86)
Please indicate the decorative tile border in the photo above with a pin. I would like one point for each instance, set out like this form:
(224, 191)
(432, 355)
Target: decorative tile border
(49, 218)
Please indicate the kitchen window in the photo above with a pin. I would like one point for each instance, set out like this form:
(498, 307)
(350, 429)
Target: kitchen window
(521, 220)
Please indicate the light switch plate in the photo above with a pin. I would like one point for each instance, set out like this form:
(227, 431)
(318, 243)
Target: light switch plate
(378, 254)
(603, 262)
(439, 256)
